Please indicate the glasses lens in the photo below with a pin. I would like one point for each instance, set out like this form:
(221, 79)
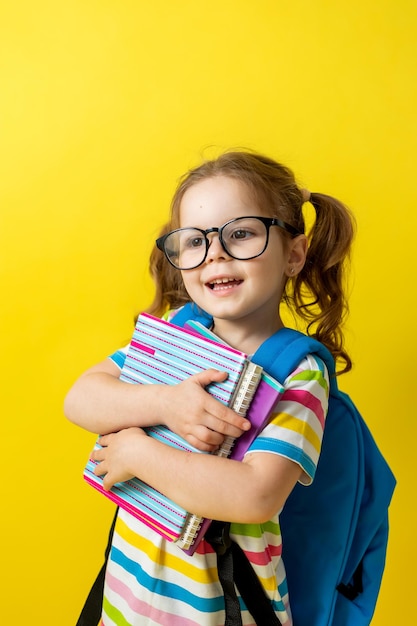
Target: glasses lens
(245, 237)
(185, 248)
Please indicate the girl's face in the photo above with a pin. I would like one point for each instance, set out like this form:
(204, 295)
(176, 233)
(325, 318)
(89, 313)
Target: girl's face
(242, 296)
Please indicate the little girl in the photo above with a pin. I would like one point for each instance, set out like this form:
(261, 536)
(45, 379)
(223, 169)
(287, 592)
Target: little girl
(235, 245)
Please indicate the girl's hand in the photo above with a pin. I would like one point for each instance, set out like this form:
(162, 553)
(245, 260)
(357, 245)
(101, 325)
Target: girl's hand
(191, 412)
(116, 456)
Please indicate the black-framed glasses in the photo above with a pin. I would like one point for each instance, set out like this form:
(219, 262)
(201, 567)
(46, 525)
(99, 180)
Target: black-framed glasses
(242, 238)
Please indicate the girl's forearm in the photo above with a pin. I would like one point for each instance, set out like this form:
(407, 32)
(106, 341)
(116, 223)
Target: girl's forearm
(214, 487)
(101, 403)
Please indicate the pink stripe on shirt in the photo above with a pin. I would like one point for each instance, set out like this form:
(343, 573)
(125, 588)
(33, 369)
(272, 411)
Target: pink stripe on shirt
(305, 399)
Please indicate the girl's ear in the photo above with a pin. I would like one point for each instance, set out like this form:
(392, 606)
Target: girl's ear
(297, 253)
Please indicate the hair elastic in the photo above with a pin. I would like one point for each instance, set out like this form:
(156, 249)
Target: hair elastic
(305, 195)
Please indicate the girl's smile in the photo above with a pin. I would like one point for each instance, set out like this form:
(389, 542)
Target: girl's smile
(223, 284)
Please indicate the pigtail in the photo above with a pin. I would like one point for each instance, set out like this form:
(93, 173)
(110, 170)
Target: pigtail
(319, 290)
(170, 292)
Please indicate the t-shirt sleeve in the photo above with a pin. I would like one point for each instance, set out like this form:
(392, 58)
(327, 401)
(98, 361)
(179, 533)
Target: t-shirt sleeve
(119, 357)
(296, 428)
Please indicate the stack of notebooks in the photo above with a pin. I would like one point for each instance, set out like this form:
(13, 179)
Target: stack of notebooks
(162, 353)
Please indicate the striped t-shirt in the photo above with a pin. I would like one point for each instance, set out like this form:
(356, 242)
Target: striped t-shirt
(151, 581)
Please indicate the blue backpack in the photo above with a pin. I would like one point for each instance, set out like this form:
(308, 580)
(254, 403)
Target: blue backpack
(335, 531)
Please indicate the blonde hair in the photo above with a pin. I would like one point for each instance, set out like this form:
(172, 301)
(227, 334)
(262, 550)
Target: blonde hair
(317, 293)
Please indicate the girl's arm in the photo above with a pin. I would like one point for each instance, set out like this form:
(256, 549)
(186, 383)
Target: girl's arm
(101, 403)
(251, 491)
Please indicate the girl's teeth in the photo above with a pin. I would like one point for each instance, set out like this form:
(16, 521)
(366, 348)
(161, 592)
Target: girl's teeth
(224, 283)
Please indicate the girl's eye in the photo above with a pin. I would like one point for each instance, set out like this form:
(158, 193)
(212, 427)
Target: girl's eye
(194, 242)
(240, 233)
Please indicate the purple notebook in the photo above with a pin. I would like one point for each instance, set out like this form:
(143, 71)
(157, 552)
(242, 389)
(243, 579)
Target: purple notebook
(162, 353)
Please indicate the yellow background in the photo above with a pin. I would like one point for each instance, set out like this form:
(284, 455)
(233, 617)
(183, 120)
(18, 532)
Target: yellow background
(103, 104)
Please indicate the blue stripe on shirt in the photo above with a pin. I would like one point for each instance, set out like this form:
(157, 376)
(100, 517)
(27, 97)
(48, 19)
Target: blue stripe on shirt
(164, 588)
(284, 448)
(118, 358)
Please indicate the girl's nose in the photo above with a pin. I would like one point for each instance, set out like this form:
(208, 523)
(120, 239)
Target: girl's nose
(216, 250)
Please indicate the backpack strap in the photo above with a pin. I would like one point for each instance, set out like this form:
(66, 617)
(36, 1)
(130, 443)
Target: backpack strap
(218, 537)
(191, 311)
(280, 354)
(91, 611)
(233, 569)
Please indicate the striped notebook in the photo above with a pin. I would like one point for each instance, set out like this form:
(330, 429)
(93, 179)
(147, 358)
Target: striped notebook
(162, 353)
